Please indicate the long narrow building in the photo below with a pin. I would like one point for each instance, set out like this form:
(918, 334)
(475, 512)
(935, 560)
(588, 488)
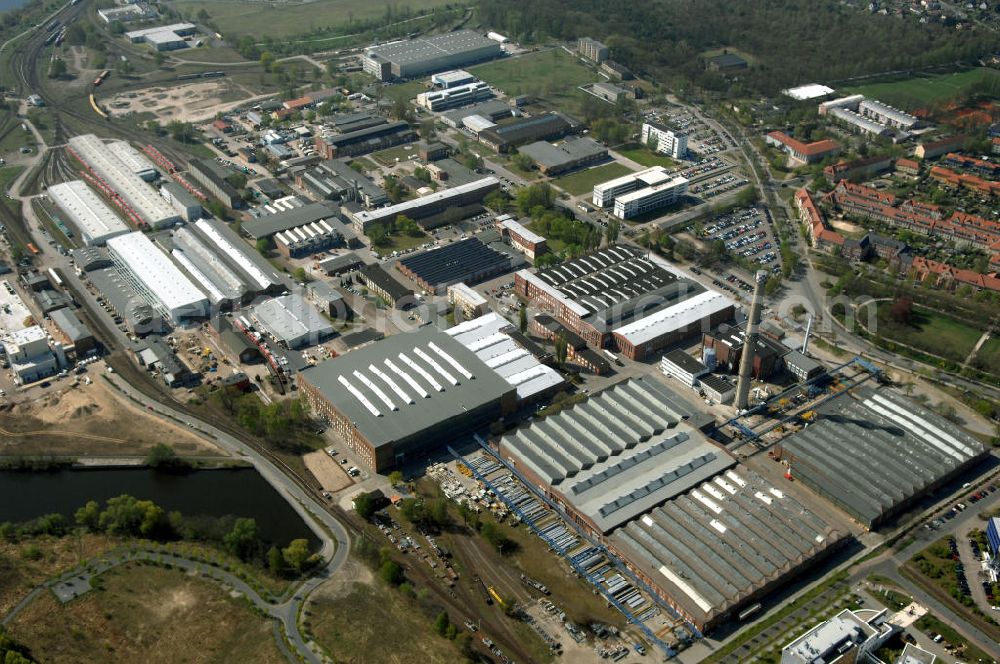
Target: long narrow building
(156, 279)
(122, 179)
(86, 212)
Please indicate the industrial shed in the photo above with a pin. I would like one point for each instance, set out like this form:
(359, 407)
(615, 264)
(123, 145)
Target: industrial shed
(397, 399)
(616, 455)
(489, 337)
(469, 261)
(292, 321)
(88, 214)
(874, 452)
(724, 544)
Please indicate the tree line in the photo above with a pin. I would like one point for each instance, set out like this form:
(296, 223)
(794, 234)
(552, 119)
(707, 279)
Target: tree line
(790, 41)
(127, 517)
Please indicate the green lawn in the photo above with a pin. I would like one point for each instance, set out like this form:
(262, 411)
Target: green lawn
(289, 18)
(389, 156)
(643, 155)
(7, 176)
(552, 75)
(988, 357)
(930, 331)
(583, 181)
(405, 91)
(401, 242)
(916, 92)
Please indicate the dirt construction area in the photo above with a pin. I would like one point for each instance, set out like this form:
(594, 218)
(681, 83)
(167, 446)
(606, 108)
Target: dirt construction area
(328, 472)
(192, 102)
(89, 420)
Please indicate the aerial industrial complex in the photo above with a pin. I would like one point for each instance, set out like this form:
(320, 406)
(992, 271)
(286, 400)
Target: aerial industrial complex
(425, 55)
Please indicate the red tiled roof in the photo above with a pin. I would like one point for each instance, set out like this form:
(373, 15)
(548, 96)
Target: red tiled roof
(924, 266)
(907, 163)
(807, 149)
(301, 102)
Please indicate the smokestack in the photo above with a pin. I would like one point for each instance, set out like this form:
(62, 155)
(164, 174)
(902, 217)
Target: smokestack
(805, 342)
(750, 342)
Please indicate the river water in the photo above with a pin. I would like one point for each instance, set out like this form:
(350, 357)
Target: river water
(239, 492)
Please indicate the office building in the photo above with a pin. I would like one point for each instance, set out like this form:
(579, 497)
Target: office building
(425, 55)
(519, 236)
(679, 365)
(649, 199)
(466, 302)
(606, 192)
(398, 399)
(427, 210)
(609, 92)
(668, 141)
(849, 636)
(452, 79)
(461, 95)
(86, 212)
(860, 123)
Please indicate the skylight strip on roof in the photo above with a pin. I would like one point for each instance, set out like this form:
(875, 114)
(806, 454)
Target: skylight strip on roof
(921, 422)
(391, 383)
(419, 352)
(360, 397)
(423, 372)
(408, 378)
(451, 360)
(376, 389)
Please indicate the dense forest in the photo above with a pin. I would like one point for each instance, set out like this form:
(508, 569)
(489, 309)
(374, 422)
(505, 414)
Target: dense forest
(790, 41)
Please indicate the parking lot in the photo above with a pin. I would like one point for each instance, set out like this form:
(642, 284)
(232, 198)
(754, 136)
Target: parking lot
(747, 234)
(702, 139)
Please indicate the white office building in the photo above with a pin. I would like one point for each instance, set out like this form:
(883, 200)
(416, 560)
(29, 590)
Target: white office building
(651, 198)
(606, 192)
(668, 141)
(86, 212)
(462, 95)
(146, 268)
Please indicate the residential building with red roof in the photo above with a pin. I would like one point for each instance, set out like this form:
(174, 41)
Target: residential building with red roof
(908, 166)
(968, 181)
(806, 153)
(822, 237)
(980, 167)
(858, 169)
(947, 276)
(931, 149)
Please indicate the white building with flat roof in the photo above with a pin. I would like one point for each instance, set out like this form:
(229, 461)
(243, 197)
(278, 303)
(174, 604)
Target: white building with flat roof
(163, 37)
(467, 301)
(121, 177)
(650, 198)
(606, 192)
(155, 278)
(86, 212)
(668, 141)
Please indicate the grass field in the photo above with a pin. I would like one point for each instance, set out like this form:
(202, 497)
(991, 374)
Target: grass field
(404, 91)
(988, 357)
(289, 18)
(931, 332)
(584, 181)
(913, 93)
(146, 614)
(389, 156)
(552, 75)
(402, 242)
(643, 155)
(369, 622)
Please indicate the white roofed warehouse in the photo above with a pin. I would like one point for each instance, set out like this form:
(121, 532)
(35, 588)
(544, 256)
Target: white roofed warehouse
(146, 268)
(141, 202)
(86, 212)
(292, 321)
(425, 55)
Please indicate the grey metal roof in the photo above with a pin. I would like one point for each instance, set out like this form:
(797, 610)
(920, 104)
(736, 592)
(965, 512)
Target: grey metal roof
(431, 389)
(569, 151)
(803, 363)
(492, 110)
(619, 453)
(309, 213)
(722, 541)
(684, 361)
(290, 318)
(873, 451)
(428, 48)
(340, 263)
(67, 321)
